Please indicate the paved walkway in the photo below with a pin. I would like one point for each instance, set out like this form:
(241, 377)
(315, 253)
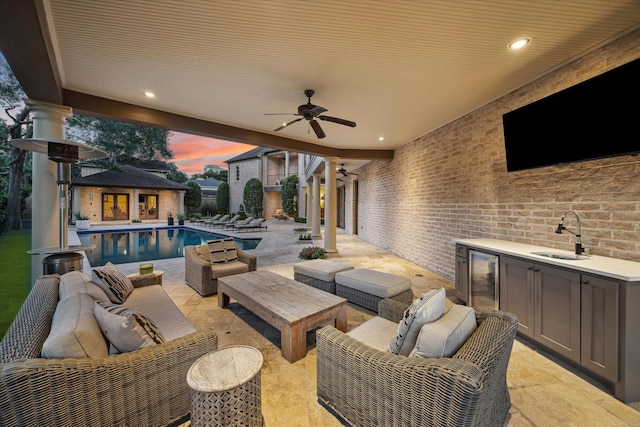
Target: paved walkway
(544, 392)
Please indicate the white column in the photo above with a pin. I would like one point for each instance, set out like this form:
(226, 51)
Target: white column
(181, 201)
(286, 164)
(48, 122)
(315, 208)
(309, 205)
(135, 205)
(330, 205)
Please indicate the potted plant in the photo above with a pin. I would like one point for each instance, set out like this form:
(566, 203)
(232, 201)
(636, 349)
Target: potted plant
(82, 221)
(170, 218)
(304, 237)
(181, 217)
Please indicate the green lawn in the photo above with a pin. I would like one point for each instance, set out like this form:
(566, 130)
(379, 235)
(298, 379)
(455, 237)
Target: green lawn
(15, 274)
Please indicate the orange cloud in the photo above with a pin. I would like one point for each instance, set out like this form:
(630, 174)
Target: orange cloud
(191, 152)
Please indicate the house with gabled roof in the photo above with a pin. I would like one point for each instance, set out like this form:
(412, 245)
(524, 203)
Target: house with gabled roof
(127, 193)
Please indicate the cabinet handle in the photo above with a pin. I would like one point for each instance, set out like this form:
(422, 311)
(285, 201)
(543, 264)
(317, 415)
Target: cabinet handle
(536, 269)
(585, 282)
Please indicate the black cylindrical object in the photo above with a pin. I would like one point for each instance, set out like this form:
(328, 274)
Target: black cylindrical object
(62, 263)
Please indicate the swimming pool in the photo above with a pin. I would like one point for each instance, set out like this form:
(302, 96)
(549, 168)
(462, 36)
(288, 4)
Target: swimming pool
(146, 244)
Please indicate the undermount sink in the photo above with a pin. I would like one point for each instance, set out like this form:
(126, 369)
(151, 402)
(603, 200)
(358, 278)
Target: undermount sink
(557, 255)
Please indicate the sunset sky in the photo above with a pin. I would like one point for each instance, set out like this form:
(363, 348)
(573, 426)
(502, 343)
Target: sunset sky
(191, 152)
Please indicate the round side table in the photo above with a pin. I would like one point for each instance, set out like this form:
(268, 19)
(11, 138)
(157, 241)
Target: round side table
(225, 388)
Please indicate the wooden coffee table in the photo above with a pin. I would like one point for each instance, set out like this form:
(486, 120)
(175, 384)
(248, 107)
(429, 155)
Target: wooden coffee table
(289, 306)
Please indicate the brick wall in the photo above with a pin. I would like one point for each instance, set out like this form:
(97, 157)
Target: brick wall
(452, 183)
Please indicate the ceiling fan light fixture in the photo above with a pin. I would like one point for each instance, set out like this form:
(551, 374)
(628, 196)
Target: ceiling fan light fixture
(519, 43)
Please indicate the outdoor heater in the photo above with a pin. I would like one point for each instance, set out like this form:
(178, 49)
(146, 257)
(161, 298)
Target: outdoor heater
(63, 152)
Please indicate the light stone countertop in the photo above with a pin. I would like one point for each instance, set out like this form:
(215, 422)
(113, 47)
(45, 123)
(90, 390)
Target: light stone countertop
(610, 267)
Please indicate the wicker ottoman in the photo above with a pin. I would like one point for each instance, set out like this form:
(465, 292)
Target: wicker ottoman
(225, 388)
(367, 288)
(319, 273)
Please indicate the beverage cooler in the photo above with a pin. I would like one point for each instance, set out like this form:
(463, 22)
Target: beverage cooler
(484, 283)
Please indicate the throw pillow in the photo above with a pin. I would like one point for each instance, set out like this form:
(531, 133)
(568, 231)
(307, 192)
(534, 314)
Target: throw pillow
(222, 251)
(426, 309)
(125, 328)
(74, 330)
(113, 282)
(446, 335)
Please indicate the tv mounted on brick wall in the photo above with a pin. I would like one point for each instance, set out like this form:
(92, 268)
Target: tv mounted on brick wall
(594, 119)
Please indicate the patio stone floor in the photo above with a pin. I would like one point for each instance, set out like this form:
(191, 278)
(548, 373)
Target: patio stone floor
(544, 391)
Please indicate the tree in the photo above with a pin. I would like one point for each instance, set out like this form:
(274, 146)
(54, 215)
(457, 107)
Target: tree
(222, 198)
(13, 160)
(219, 175)
(193, 196)
(175, 174)
(288, 194)
(253, 197)
(123, 141)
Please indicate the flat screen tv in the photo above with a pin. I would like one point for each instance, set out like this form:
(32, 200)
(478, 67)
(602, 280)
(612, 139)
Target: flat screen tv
(594, 119)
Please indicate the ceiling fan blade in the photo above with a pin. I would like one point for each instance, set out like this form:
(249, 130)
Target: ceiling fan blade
(287, 124)
(281, 114)
(339, 121)
(317, 129)
(317, 110)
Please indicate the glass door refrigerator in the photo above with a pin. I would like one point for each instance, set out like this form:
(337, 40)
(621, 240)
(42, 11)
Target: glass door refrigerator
(484, 283)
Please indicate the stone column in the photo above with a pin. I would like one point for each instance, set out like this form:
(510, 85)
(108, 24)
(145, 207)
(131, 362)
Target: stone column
(330, 205)
(48, 122)
(315, 209)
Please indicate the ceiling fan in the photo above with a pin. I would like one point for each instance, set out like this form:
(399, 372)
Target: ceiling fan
(344, 172)
(310, 113)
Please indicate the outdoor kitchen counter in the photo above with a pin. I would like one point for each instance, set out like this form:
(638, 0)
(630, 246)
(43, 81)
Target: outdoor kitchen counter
(628, 271)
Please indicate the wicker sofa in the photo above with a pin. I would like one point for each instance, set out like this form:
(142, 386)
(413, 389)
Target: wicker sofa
(202, 276)
(145, 387)
(364, 386)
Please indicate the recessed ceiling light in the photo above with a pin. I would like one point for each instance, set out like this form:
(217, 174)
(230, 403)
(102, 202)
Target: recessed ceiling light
(149, 94)
(381, 138)
(519, 43)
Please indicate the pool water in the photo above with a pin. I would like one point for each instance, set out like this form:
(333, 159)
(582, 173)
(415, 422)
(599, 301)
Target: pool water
(124, 246)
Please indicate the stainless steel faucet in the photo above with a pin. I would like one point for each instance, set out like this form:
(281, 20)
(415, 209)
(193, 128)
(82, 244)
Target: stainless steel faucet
(579, 248)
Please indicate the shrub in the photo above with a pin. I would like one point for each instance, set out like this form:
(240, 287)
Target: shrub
(196, 216)
(253, 197)
(288, 195)
(222, 198)
(311, 252)
(304, 236)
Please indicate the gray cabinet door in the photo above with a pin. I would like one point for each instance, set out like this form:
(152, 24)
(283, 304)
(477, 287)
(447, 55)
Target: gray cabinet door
(600, 326)
(462, 279)
(557, 310)
(516, 292)
(462, 273)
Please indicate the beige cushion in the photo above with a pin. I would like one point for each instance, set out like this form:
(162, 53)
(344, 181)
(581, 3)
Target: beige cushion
(113, 282)
(375, 332)
(321, 269)
(446, 335)
(158, 306)
(221, 270)
(203, 251)
(378, 283)
(125, 328)
(428, 308)
(76, 281)
(74, 330)
(222, 251)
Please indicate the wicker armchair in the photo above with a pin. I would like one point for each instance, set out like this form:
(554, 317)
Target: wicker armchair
(364, 386)
(203, 277)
